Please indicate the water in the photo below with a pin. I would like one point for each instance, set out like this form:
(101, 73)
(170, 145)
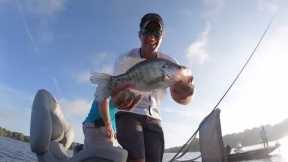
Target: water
(279, 155)
(17, 151)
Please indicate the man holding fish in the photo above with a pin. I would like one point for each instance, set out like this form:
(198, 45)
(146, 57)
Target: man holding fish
(137, 88)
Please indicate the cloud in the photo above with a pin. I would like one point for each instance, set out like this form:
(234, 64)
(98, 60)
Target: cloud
(268, 5)
(15, 108)
(75, 108)
(83, 77)
(57, 86)
(102, 62)
(38, 7)
(44, 11)
(74, 112)
(263, 89)
(212, 8)
(172, 136)
(183, 113)
(186, 12)
(43, 7)
(8, 93)
(197, 52)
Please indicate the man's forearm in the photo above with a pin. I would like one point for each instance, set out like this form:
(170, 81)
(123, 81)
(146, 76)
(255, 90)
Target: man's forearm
(104, 109)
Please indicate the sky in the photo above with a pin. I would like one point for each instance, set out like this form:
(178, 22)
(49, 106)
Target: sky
(55, 44)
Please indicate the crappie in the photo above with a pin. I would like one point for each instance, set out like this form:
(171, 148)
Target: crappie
(142, 77)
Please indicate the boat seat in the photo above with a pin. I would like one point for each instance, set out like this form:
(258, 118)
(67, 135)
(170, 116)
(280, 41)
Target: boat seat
(51, 136)
(211, 143)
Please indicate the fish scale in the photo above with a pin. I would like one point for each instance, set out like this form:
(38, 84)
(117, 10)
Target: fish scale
(144, 76)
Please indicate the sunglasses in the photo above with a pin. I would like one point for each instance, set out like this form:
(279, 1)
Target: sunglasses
(156, 33)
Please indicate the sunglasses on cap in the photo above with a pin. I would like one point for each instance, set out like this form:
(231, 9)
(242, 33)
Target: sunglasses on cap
(152, 28)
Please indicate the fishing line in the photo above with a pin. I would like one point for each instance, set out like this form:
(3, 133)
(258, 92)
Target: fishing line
(184, 149)
(26, 26)
(246, 63)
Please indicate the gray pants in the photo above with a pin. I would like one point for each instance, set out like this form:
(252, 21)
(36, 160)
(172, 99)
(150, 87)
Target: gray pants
(96, 137)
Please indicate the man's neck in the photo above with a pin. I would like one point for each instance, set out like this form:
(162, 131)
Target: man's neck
(147, 55)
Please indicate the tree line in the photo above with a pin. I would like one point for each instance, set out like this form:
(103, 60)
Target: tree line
(14, 135)
(253, 136)
(21, 137)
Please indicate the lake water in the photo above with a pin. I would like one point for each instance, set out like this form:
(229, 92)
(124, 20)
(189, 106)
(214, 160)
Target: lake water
(17, 151)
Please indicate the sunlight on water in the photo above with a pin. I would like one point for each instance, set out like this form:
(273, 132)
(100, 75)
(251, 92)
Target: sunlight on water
(283, 150)
(279, 155)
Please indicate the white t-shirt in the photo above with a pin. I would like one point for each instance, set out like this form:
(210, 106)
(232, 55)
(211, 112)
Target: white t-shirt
(149, 104)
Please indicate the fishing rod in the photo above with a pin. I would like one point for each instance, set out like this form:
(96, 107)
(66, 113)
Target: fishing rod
(185, 148)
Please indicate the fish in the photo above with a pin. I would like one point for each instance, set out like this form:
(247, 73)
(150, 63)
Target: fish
(143, 77)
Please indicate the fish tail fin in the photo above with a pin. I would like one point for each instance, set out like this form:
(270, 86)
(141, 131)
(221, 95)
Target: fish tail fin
(100, 78)
(102, 81)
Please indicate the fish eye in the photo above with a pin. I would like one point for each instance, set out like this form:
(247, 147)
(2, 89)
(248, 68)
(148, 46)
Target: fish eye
(164, 66)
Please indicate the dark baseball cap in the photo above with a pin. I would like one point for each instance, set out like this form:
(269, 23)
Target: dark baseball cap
(151, 23)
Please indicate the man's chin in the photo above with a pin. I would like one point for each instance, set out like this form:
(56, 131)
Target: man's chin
(151, 48)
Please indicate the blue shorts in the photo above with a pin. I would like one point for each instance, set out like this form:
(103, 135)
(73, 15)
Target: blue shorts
(141, 136)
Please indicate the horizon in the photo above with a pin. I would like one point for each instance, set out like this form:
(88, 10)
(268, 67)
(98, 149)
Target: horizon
(242, 131)
(56, 44)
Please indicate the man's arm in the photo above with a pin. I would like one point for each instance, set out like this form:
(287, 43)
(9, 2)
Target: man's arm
(124, 98)
(104, 109)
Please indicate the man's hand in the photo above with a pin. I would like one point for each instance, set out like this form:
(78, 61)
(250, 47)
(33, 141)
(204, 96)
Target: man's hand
(182, 91)
(124, 98)
(109, 131)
